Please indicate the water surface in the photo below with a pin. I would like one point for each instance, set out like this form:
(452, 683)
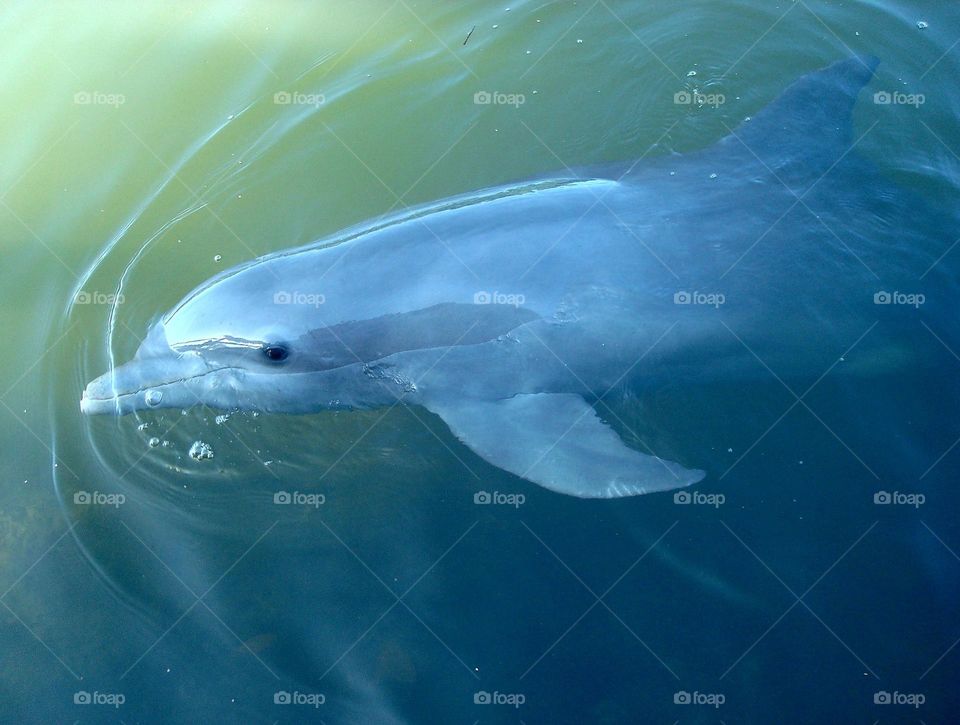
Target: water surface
(149, 147)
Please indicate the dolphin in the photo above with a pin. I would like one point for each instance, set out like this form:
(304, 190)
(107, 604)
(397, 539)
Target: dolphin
(511, 311)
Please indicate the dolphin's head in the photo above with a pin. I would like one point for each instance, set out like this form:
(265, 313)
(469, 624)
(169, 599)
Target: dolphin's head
(219, 372)
(261, 337)
(237, 342)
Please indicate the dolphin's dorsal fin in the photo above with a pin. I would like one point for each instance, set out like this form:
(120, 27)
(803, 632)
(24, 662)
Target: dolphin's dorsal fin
(810, 124)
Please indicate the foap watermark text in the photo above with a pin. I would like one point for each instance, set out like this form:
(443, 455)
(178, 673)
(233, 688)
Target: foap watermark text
(914, 699)
(313, 699)
(294, 297)
(514, 699)
(713, 299)
(114, 699)
(698, 498)
(713, 699)
(298, 498)
(696, 98)
(295, 98)
(498, 298)
(83, 297)
(911, 299)
(496, 98)
(496, 498)
(99, 98)
(898, 498)
(898, 98)
(98, 498)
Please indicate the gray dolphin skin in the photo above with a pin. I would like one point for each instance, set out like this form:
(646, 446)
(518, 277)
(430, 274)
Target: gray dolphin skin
(509, 312)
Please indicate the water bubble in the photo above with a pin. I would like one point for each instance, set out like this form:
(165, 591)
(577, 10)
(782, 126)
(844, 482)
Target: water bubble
(579, 41)
(922, 24)
(142, 427)
(221, 419)
(152, 397)
(691, 74)
(713, 176)
(201, 451)
(217, 257)
(153, 442)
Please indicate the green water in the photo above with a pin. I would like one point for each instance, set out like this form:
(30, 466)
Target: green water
(149, 146)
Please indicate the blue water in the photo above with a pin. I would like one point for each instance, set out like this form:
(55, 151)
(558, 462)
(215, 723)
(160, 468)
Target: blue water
(788, 591)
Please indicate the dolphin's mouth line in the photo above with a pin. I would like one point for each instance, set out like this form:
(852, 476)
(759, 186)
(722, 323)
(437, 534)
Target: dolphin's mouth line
(117, 395)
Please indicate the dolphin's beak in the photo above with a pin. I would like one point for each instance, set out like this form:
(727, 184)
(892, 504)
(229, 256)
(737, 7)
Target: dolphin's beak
(144, 383)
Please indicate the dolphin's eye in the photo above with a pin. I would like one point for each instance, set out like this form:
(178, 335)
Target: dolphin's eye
(275, 353)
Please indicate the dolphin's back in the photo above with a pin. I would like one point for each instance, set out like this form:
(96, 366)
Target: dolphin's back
(529, 244)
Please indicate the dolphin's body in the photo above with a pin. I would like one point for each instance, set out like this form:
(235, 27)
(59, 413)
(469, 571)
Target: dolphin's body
(508, 311)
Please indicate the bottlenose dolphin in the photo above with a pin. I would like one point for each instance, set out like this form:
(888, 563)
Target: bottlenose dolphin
(509, 311)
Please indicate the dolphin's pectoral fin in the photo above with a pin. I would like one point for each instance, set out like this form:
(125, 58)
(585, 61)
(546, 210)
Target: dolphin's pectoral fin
(557, 441)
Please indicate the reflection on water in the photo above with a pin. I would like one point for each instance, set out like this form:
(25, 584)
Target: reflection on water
(149, 149)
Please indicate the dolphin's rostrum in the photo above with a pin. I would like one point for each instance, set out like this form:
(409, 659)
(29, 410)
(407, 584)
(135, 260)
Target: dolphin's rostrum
(509, 311)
